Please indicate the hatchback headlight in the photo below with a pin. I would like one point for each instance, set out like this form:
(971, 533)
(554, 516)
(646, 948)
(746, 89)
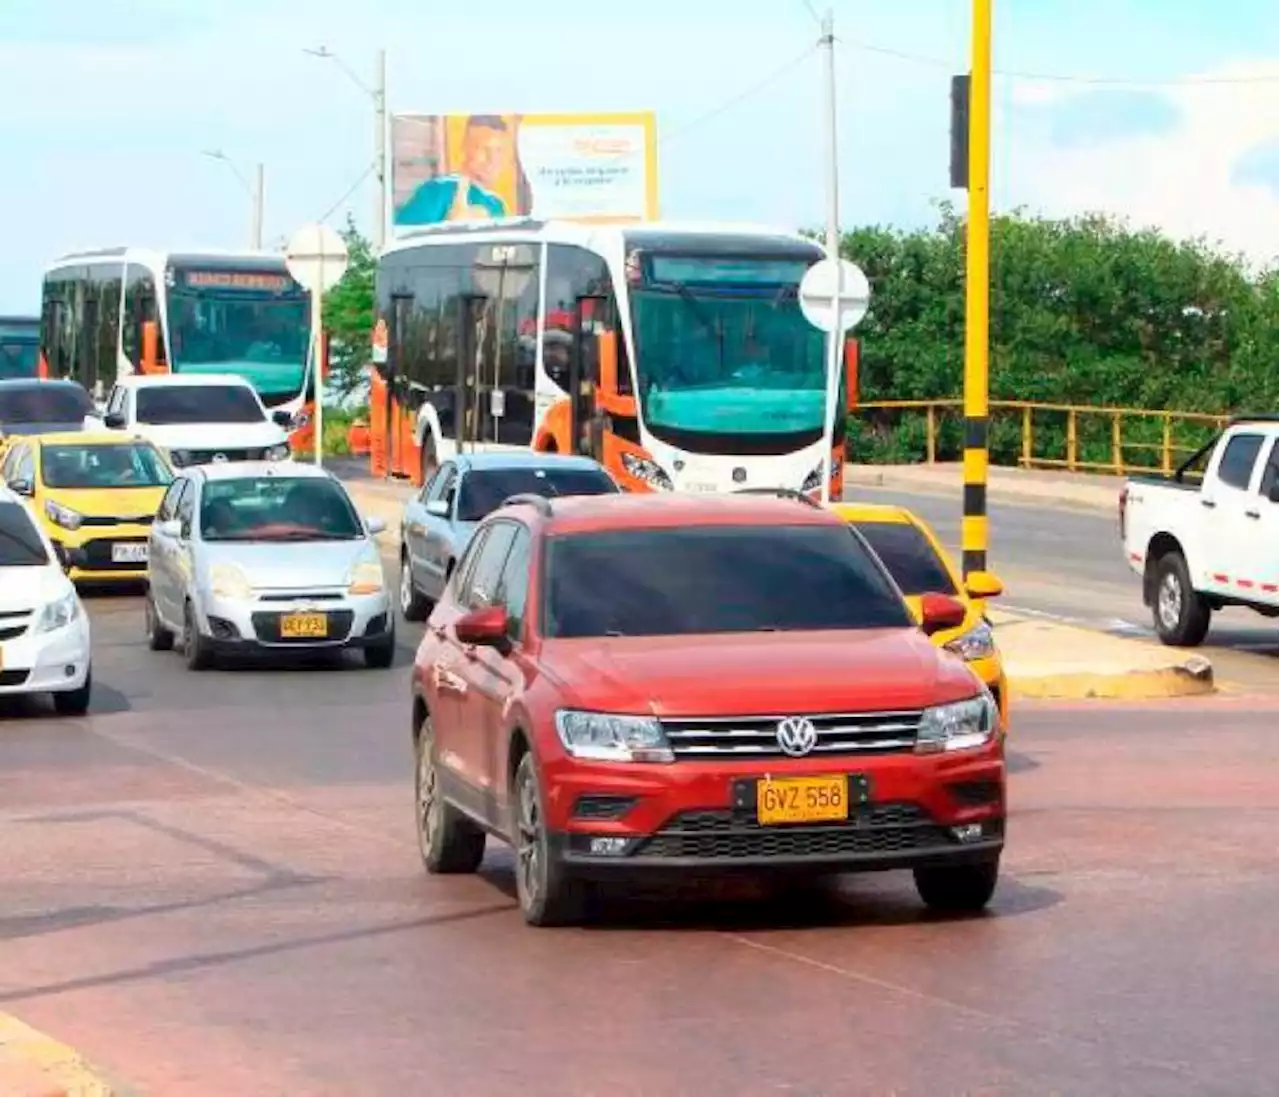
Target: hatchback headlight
(961, 725)
(59, 614)
(62, 516)
(277, 453)
(228, 581)
(650, 472)
(978, 643)
(365, 578)
(602, 737)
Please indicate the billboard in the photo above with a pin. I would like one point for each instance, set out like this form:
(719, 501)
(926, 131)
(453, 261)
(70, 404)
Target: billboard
(461, 167)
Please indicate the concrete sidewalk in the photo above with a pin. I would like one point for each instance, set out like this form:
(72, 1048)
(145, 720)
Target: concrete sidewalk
(1004, 485)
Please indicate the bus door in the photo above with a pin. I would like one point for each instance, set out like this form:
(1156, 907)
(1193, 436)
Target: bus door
(586, 423)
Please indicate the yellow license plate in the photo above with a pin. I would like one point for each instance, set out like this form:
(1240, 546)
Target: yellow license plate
(304, 626)
(802, 800)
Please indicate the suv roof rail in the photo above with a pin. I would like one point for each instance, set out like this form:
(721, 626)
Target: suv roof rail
(782, 493)
(540, 503)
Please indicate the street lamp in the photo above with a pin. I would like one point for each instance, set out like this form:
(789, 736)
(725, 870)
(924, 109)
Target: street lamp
(378, 93)
(255, 193)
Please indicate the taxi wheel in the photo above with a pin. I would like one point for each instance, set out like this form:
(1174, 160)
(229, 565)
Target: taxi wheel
(194, 647)
(159, 638)
(74, 702)
(548, 896)
(958, 889)
(448, 841)
(381, 655)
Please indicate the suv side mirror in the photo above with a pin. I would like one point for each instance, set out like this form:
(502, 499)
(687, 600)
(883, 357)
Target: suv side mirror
(485, 627)
(23, 487)
(939, 612)
(982, 584)
(113, 420)
(438, 507)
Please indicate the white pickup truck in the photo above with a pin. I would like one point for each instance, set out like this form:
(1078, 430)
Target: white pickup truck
(1209, 536)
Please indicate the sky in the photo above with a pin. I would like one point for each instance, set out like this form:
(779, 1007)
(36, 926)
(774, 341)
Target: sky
(1161, 111)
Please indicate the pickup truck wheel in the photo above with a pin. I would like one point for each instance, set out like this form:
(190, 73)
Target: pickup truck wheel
(1180, 612)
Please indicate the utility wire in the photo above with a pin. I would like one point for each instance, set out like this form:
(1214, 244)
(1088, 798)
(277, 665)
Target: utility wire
(354, 187)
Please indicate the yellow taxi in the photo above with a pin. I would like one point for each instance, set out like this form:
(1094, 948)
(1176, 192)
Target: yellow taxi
(920, 565)
(96, 494)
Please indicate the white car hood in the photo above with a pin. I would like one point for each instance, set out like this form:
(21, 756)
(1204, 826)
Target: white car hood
(213, 435)
(291, 565)
(28, 588)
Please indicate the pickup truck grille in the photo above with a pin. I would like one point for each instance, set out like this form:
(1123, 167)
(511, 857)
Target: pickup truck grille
(720, 737)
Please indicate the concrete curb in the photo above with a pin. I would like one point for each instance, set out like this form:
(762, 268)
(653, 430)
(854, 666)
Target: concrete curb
(35, 1065)
(1194, 678)
(1085, 497)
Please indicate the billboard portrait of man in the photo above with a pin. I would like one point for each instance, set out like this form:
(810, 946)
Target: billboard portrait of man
(471, 191)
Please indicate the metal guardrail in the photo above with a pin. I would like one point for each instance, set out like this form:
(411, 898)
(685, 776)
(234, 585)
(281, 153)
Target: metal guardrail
(1072, 417)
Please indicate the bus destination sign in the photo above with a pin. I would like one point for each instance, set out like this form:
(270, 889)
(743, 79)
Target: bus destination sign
(236, 279)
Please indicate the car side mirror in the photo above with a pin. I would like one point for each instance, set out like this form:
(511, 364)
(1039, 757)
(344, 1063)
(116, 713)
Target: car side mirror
(484, 627)
(982, 584)
(375, 525)
(170, 527)
(438, 507)
(114, 421)
(1273, 493)
(23, 487)
(939, 612)
(282, 418)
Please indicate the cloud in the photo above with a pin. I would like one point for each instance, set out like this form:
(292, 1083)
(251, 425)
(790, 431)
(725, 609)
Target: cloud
(1097, 117)
(1207, 175)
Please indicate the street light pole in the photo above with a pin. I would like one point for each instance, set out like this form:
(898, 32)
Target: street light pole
(973, 528)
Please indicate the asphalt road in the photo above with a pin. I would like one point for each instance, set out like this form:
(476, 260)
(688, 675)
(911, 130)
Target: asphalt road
(210, 885)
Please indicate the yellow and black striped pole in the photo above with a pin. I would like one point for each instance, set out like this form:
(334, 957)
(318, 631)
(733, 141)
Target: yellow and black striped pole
(973, 529)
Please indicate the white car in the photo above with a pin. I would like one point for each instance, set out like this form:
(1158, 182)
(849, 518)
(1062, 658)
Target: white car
(44, 630)
(250, 557)
(196, 418)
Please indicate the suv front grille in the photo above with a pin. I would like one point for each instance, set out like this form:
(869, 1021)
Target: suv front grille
(757, 736)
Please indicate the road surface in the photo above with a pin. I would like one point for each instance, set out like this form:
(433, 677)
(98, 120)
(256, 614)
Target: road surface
(211, 886)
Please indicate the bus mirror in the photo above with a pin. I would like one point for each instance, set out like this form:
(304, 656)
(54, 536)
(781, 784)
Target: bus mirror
(150, 347)
(851, 355)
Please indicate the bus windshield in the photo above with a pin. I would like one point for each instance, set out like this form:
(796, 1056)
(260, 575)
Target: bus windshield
(250, 323)
(722, 347)
(19, 347)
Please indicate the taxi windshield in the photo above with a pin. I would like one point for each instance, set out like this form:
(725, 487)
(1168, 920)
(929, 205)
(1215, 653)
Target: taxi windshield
(911, 559)
(123, 465)
(277, 508)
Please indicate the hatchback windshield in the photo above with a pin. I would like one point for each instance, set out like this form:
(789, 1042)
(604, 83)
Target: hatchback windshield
(198, 404)
(125, 465)
(20, 544)
(44, 403)
(911, 560)
(277, 508)
(485, 491)
(709, 579)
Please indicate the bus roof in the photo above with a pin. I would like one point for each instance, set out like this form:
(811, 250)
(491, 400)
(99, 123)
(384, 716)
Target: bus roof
(155, 257)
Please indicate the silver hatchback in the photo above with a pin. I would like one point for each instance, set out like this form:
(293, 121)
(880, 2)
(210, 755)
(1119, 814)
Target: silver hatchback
(256, 556)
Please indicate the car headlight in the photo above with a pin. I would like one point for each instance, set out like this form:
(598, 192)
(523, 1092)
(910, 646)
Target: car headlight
(961, 725)
(601, 737)
(365, 578)
(813, 481)
(650, 472)
(59, 614)
(978, 643)
(228, 581)
(277, 453)
(62, 516)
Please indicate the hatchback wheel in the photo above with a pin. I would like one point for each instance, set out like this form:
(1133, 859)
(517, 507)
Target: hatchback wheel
(448, 841)
(548, 895)
(194, 646)
(159, 638)
(412, 604)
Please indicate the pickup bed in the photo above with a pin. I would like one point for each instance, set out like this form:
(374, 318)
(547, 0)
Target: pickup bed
(1205, 541)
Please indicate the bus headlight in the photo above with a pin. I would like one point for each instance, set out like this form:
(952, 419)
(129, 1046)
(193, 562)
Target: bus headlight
(277, 453)
(647, 471)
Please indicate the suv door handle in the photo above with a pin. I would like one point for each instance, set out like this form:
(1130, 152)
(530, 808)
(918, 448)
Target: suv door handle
(1252, 514)
(1208, 503)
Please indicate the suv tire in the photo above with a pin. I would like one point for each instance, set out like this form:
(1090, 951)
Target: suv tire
(548, 895)
(958, 889)
(448, 841)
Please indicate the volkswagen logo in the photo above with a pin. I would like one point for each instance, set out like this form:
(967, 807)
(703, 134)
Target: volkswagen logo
(797, 735)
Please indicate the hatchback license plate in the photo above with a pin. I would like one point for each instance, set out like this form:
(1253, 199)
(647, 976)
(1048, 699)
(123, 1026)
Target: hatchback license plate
(802, 800)
(304, 626)
(128, 554)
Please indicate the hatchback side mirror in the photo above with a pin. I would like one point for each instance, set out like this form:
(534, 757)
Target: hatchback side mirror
(170, 527)
(939, 612)
(438, 507)
(113, 420)
(375, 525)
(23, 487)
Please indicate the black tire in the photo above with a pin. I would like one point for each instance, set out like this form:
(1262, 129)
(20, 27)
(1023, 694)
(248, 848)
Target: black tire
(159, 638)
(414, 606)
(958, 889)
(548, 895)
(194, 646)
(380, 655)
(448, 841)
(74, 702)
(1180, 613)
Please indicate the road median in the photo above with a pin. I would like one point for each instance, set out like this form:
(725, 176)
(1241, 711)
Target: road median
(35, 1065)
(1004, 485)
(1051, 660)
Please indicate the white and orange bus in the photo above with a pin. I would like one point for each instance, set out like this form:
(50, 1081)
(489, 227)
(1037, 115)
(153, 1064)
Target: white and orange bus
(692, 364)
(110, 313)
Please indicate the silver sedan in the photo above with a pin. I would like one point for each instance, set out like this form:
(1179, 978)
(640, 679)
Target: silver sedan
(251, 556)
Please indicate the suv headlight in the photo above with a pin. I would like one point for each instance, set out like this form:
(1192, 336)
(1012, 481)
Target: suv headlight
(228, 581)
(813, 481)
(648, 471)
(60, 613)
(62, 516)
(978, 643)
(365, 578)
(277, 453)
(961, 725)
(601, 737)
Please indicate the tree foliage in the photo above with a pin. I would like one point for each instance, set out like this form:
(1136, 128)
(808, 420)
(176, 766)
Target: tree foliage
(348, 316)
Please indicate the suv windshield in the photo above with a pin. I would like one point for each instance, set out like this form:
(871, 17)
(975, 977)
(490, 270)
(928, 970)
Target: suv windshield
(124, 465)
(911, 560)
(164, 406)
(484, 491)
(20, 544)
(709, 579)
(44, 402)
(277, 508)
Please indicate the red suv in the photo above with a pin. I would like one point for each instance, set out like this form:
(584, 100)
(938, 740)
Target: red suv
(624, 685)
